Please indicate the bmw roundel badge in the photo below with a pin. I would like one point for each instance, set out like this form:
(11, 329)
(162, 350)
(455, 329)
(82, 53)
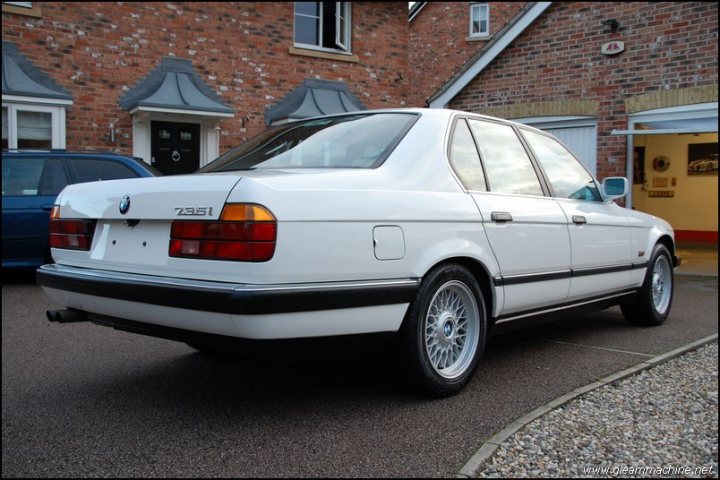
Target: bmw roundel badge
(125, 204)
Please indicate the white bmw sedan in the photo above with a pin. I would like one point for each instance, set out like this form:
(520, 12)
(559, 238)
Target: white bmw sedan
(436, 225)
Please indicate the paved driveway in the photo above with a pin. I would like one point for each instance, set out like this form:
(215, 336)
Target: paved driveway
(84, 400)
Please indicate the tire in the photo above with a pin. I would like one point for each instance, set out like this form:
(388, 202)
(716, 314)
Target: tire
(651, 305)
(444, 331)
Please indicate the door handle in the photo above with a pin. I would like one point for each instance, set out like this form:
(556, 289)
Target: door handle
(47, 207)
(579, 220)
(501, 217)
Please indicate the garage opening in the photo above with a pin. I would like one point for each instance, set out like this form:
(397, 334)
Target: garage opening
(673, 163)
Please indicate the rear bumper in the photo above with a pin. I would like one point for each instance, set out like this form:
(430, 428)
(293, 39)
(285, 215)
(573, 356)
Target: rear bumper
(221, 297)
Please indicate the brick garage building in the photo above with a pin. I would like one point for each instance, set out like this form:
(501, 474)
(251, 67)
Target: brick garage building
(236, 59)
(544, 66)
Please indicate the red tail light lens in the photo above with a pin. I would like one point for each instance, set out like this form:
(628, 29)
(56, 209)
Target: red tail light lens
(244, 233)
(72, 234)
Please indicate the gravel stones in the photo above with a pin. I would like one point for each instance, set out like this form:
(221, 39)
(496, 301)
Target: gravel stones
(660, 422)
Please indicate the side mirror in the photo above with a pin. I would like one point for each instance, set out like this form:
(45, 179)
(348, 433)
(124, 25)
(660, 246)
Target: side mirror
(614, 187)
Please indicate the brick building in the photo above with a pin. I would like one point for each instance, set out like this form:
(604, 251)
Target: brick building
(138, 78)
(616, 81)
(134, 77)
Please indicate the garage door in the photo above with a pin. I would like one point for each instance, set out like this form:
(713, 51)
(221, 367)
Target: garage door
(581, 140)
(579, 135)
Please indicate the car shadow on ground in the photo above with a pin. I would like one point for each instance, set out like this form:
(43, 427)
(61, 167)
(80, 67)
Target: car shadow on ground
(361, 373)
(18, 276)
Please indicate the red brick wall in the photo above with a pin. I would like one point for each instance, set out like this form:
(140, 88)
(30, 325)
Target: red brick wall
(439, 43)
(668, 45)
(98, 51)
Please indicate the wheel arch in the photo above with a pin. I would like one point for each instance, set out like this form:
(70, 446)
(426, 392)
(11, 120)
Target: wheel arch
(668, 242)
(480, 272)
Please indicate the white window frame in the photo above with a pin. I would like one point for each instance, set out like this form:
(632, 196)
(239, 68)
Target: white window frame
(57, 122)
(346, 15)
(479, 8)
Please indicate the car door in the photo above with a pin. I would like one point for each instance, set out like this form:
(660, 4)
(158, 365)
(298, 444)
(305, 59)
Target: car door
(600, 233)
(527, 230)
(29, 188)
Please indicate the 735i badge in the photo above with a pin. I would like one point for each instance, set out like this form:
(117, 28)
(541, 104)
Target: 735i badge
(193, 211)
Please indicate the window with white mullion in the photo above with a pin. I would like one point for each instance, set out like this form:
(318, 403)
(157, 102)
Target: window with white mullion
(33, 126)
(479, 20)
(323, 26)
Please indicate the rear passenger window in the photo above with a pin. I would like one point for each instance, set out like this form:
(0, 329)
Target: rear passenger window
(506, 162)
(25, 177)
(567, 176)
(92, 170)
(464, 158)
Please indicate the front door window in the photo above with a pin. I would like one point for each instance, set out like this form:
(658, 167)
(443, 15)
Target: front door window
(175, 147)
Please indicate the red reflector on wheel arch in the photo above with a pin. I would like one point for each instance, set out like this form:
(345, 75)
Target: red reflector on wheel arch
(244, 232)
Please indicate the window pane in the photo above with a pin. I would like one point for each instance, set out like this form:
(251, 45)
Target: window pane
(353, 141)
(307, 8)
(479, 20)
(566, 175)
(507, 165)
(5, 128)
(53, 178)
(21, 176)
(464, 158)
(34, 129)
(92, 170)
(307, 30)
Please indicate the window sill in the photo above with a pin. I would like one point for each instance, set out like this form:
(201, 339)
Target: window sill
(483, 38)
(326, 55)
(28, 12)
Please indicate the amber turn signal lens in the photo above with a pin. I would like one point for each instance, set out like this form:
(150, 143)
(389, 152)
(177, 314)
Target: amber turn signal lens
(246, 212)
(55, 213)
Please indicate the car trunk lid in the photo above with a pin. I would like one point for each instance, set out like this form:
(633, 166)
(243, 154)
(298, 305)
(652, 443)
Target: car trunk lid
(158, 198)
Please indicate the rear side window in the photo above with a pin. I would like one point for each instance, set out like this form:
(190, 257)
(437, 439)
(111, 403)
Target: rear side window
(464, 158)
(507, 164)
(24, 177)
(568, 178)
(92, 170)
(352, 141)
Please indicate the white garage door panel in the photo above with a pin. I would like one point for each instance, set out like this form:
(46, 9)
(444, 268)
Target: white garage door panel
(582, 142)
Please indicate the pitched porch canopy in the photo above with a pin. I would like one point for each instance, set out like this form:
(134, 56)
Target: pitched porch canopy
(312, 98)
(174, 87)
(23, 81)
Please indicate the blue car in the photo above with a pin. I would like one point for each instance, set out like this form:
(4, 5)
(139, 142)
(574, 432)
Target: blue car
(31, 180)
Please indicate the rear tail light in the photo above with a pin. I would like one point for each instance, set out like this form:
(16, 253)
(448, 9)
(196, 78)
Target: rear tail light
(244, 233)
(73, 234)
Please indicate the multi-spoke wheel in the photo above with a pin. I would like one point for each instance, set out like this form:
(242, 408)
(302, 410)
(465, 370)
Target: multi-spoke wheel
(451, 329)
(651, 305)
(444, 331)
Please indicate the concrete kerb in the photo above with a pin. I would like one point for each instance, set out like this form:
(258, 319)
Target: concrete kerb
(486, 451)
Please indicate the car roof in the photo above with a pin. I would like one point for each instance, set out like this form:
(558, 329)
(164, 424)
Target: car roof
(447, 112)
(66, 153)
(136, 163)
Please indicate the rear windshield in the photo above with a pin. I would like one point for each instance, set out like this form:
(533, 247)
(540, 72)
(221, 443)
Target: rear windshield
(352, 141)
